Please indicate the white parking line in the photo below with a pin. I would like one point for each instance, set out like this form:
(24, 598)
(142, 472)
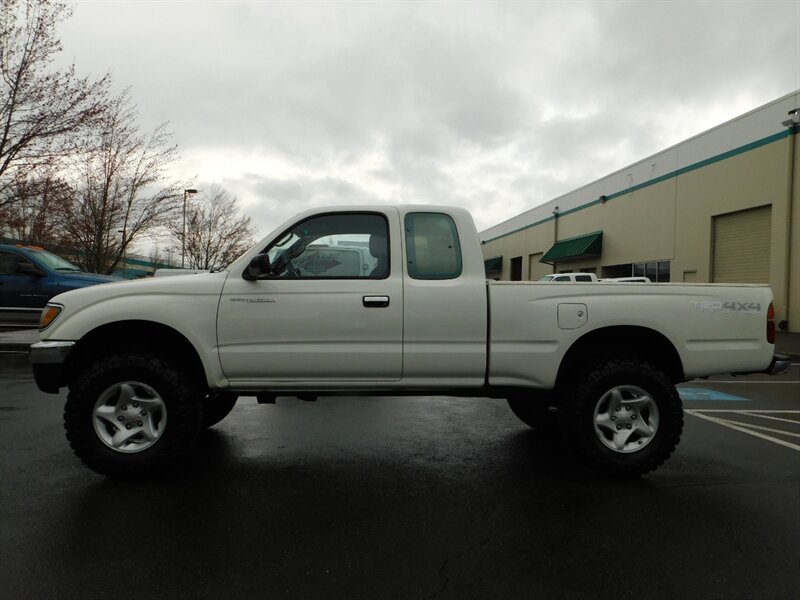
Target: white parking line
(747, 430)
(760, 416)
(716, 381)
(760, 428)
(751, 411)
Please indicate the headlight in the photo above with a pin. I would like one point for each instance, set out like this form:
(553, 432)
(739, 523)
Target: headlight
(49, 314)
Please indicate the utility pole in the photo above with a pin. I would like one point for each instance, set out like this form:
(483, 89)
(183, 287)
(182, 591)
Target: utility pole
(186, 194)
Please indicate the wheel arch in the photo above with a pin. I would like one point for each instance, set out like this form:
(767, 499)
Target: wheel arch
(625, 340)
(137, 336)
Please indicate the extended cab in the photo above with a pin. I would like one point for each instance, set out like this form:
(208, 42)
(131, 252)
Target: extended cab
(389, 300)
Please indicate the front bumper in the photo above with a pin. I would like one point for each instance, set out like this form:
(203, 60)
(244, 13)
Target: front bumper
(48, 360)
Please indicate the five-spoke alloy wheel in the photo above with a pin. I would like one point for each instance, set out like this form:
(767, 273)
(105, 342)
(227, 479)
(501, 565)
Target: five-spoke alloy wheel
(129, 416)
(626, 418)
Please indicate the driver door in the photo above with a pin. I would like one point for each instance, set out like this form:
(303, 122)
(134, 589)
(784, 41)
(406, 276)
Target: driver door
(331, 310)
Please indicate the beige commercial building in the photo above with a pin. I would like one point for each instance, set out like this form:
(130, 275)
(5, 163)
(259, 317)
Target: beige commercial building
(721, 207)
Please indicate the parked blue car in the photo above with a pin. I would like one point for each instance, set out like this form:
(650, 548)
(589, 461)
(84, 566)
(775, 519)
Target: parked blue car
(30, 276)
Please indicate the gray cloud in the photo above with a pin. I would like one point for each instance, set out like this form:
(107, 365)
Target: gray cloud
(279, 199)
(494, 106)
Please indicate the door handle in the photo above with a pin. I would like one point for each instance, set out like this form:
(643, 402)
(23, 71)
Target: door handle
(375, 301)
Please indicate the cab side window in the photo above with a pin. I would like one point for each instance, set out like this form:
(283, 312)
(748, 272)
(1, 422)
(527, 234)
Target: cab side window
(8, 263)
(333, 246)
(432, 246)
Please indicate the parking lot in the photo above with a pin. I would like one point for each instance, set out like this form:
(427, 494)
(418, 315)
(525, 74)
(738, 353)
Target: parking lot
(407, 498)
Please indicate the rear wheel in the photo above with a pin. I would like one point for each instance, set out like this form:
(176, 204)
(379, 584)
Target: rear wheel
(129, 414)
(623, 416)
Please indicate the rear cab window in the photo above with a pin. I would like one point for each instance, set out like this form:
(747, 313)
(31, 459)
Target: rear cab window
(433, 250)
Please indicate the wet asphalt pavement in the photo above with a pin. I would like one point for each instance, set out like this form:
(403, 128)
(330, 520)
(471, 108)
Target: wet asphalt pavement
(402, 498)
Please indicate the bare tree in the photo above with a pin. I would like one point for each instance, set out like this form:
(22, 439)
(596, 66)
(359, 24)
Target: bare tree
(41, 109)
(123, 191)
(216, 234)
(156, 256)
(36, 216)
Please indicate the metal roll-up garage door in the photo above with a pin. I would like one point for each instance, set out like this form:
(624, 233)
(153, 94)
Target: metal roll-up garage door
(742, 245)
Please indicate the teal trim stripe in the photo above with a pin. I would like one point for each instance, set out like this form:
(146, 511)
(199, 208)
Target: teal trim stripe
(693, 167)
(145, 263)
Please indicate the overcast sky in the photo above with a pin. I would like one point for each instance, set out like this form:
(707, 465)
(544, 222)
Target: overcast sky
(497, 107)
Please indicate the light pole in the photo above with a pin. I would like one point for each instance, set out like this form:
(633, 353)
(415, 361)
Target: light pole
(186, 194)
(124, 261)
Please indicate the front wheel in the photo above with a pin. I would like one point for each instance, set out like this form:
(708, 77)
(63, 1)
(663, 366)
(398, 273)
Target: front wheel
(623, 416)
(130, 414)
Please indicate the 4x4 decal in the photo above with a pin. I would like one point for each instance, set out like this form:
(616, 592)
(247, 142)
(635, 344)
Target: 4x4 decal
(728, 307)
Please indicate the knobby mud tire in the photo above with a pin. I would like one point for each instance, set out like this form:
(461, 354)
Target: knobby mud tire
(182, 400)
(578, 416)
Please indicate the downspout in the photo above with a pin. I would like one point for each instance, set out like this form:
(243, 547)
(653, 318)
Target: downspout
(792, 124)
(555, 233)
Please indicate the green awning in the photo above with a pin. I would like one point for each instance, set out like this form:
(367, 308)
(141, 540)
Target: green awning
(493, 264)
(580, 246)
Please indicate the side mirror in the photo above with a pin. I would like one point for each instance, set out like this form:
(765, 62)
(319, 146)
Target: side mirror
(27, 268)
(259, 267)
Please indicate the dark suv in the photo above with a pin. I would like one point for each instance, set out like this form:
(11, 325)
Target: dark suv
(30, 276)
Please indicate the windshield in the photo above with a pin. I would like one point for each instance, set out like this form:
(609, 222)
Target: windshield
(54, 262)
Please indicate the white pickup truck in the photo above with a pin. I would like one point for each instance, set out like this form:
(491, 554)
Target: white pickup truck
(149, 363)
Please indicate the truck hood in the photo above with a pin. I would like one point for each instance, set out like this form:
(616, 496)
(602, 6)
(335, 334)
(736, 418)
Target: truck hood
(120, 298)
(200, 284)
(87, 278)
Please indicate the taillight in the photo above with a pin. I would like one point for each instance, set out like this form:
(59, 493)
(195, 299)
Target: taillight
(771, 324)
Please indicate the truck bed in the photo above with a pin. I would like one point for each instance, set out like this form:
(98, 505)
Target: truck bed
(714, 328)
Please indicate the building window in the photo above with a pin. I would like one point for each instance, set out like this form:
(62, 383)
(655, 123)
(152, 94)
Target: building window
(663, 271)
(654, 270)
(516, 268)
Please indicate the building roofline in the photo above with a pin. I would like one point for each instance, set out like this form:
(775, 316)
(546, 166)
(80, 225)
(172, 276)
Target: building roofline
(488, 236)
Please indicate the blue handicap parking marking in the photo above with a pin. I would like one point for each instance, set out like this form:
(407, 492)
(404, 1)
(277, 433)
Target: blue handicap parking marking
(692, 394)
